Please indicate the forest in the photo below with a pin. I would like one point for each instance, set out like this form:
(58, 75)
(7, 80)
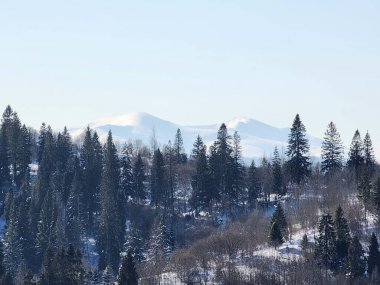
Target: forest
(101, 212)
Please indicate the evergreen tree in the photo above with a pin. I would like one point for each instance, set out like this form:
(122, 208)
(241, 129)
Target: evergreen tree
(41, 141)
(375, 197)
(369, 155)
(221, 161)
(135, 243)
(355, 155)
(278, 186)
(127, 273)
(280, 219)
(332, 151)
(126, 177)
(201, 195)
(5, 179)
(342, 235)
(111, 227)
(364, 190)
(254, 187)
(373, 256)
(356, 263)
(91, 160)
(275, 235)
(170, 177)
(325, 249)
(298, 163)
(138, 180)
(157, 179)
(179, 151)
(75, 208)
(237, 171)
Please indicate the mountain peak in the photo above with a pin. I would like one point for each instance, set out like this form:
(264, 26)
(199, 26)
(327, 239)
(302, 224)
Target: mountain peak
(135, 119)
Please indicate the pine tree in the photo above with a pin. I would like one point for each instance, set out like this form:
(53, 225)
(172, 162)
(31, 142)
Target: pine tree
(237, 171)
(253, 183)
(221, 157)
(157, 179)
(170, 177)
(280, 219)
(364, 190)
(138, 180)
(75, 208)
(375, 196)
(135, 243)
(278, 186)
(298, 163)
(127, 273)
(369, 155)
(356, 263)
(275, 235)
(373, 256)
(91, 161)
(179, 151)
(111, 228)
(201, 195)
(325, 250)
(342, 235)
(5, 178)
(332, 151)
(355, 155)
(126, 177)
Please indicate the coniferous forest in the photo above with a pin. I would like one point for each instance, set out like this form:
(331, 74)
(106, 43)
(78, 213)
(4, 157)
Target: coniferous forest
(97, 212)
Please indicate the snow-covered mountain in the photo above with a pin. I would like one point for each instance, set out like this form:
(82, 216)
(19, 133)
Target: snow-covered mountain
(257, 138)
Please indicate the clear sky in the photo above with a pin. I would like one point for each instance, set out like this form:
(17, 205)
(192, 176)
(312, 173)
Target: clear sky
(193, 62)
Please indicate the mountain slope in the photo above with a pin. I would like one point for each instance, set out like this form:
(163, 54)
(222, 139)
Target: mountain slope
(257, 138)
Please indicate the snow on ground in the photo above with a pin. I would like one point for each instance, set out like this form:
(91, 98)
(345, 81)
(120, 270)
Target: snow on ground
(288, 251)
(90, 255)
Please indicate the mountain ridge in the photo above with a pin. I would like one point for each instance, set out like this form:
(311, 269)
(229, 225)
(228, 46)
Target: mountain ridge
(257, 138)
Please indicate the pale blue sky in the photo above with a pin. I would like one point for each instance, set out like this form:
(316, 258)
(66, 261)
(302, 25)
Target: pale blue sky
(193, 62)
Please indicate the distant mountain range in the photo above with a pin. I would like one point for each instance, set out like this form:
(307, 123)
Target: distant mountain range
(257, 138)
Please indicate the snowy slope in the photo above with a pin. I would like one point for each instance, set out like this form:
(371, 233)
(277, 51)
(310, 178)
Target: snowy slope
(257, 138)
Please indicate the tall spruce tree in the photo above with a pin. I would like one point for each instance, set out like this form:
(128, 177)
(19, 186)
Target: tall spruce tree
(275, 235)
(126, 177)
(201, 195)
(332, 151)
(157, 179)
(342, 235)
(179, 150)
(356, 156)
(277, 186)
(237, 171)
(111, 229)
(75, 208)
(280, 219)
(369, 155)
(356, 263)
(373, 256)
(222, 161)
(91, 161)
(375, 195)
(138, 180)
(325, 248)
(298, 163)
(253, 185)
(127, 273)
